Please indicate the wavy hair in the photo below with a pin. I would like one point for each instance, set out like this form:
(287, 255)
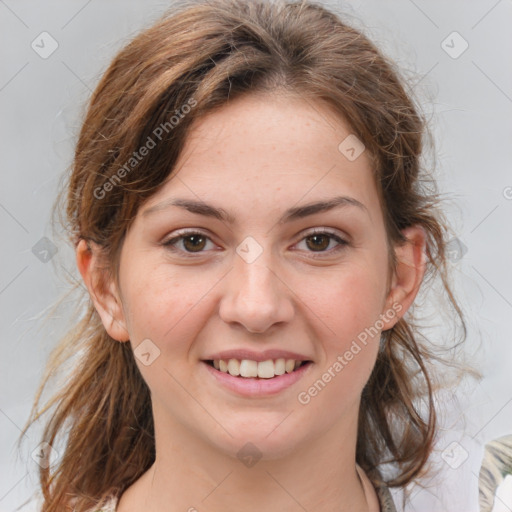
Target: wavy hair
(201, 54)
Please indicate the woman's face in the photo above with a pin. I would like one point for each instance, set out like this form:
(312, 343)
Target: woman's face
(266, 243)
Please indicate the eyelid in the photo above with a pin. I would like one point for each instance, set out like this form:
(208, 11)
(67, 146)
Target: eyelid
(186, 231)
(322, 230)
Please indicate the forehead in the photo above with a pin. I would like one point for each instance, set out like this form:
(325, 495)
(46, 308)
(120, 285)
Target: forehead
(262, 150)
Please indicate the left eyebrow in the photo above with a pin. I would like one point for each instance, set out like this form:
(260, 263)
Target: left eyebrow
(302, 211)
(298, 212)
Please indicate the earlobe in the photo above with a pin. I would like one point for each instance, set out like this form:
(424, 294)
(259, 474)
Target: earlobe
(408, 275)
(102, 290)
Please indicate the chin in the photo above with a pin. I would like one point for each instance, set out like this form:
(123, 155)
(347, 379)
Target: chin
(259, 443)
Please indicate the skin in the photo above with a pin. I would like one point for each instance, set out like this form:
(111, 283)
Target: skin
(255, 158)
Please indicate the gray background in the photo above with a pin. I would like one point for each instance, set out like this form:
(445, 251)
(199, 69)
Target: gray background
(468, 98)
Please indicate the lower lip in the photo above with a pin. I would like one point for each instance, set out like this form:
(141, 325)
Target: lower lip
(254, 387)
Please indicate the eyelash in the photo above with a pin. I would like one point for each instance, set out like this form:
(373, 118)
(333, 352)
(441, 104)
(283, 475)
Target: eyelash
(180, 236)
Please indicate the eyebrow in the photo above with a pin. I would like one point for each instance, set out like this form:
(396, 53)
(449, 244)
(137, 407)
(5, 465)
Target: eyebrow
(298, 212)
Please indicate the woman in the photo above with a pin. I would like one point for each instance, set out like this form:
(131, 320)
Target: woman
(252, 226)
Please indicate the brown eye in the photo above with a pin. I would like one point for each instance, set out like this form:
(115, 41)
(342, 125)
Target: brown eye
(194, 243)
(321, 243)
(318, 242)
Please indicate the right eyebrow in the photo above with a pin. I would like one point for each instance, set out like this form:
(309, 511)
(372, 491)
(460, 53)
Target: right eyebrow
(199, 207)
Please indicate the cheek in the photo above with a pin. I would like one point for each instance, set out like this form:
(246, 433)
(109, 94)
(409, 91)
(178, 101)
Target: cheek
(169, 310)
(348, 308)
(348, 302)
(165, 306)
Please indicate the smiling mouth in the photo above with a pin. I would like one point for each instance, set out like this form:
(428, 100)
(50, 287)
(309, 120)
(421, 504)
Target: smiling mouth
(247, 369)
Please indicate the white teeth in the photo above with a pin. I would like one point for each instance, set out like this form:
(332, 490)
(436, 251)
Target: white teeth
(263, 369)
(234, 367)
(279, 366)
(248, 368)
(290, 365)
(266, 369)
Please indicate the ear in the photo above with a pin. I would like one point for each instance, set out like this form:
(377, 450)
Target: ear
(102, 290)
(407, 276)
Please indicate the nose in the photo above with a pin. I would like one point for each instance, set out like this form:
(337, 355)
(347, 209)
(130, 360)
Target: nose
(255, 297)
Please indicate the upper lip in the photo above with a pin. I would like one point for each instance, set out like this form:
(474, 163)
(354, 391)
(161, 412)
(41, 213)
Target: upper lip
(265, 355)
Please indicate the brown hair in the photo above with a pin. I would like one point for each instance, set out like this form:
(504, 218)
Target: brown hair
(201, 54)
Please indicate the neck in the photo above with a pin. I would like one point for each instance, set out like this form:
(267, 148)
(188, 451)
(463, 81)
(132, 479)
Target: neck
(193, 475)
